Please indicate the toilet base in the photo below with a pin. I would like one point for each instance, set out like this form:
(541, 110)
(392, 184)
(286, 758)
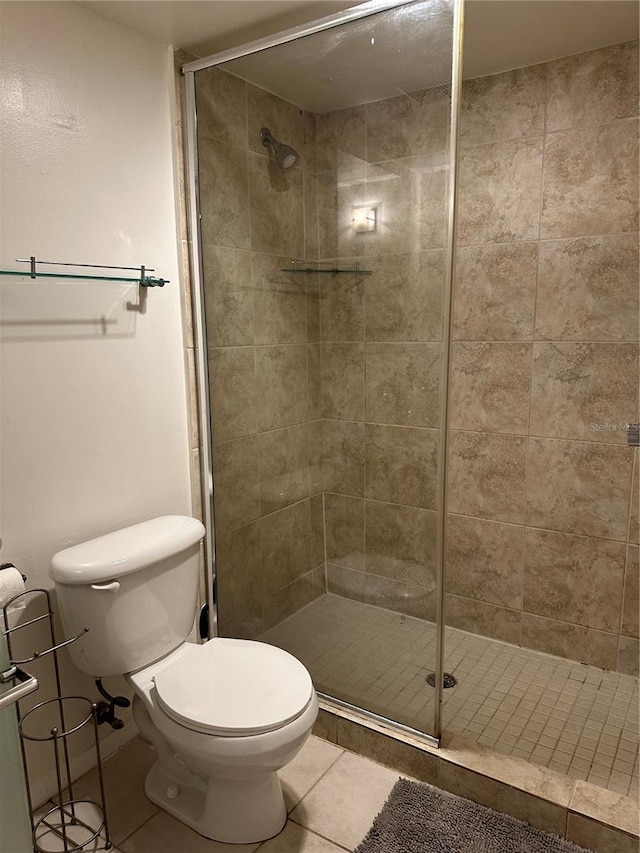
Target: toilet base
(235, 811)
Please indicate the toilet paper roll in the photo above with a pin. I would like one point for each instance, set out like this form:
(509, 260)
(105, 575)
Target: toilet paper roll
(11, 583)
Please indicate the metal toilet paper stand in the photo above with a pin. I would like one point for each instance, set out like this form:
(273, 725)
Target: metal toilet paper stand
(72, 821)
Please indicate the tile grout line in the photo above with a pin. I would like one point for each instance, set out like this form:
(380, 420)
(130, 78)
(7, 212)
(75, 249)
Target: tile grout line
(626, 556)
(143, 824)
(318, 780)
(527, 460)
(463, 246)
(558, 239)
(432, 342)
(545, 130)
(575, 440)
(317, 834)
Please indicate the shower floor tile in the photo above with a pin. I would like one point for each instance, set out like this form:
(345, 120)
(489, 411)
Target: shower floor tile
(573, 718)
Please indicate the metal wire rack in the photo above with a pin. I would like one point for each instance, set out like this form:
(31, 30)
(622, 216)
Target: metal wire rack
(66, 820)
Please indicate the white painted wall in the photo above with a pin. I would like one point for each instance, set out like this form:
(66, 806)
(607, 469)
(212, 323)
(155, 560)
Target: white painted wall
(93, 418)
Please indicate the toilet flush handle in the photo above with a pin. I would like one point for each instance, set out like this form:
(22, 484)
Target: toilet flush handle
(111, 586)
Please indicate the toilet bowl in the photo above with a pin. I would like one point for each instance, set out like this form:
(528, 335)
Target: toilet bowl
(224, 716)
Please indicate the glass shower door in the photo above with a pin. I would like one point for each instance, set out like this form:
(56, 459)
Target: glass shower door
(324, 294)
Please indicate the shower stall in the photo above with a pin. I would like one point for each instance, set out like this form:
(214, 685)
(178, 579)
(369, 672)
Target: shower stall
(416, 308)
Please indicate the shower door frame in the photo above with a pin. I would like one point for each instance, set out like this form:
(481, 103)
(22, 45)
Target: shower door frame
(189, 71)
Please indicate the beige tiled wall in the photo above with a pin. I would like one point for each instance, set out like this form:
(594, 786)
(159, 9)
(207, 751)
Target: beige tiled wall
(542, 542)
(262, 328)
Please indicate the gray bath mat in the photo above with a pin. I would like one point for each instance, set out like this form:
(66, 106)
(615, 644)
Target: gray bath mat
(418, 818)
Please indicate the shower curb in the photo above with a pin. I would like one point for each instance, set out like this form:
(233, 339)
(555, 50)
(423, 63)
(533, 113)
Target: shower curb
(588, 815)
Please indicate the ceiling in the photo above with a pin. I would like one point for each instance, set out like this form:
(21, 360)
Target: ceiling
(207, 26)
(404, 49)
(407, 48)
(504, 34)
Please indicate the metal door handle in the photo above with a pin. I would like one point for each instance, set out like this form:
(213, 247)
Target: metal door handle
(26, 684)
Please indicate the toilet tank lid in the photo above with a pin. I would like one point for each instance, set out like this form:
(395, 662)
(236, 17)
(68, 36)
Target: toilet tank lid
(127, 550)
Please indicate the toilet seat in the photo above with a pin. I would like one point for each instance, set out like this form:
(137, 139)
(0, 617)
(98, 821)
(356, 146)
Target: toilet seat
(229, 687)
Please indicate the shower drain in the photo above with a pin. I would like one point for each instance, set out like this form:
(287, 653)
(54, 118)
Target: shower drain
(448, 680)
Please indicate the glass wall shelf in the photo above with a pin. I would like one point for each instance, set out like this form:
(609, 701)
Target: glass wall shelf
(147, 281)
(326, 267)
(142, 278)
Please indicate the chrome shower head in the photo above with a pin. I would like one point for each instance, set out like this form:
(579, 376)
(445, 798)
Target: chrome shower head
(285, 156)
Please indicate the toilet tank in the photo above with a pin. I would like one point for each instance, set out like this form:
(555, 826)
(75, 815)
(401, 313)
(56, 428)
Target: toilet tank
(135, 590)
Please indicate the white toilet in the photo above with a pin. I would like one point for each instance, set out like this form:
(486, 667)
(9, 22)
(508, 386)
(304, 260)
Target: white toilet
(225, 716)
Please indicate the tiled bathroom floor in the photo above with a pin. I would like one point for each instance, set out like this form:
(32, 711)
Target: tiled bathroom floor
(320, 786)
(572, 718)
